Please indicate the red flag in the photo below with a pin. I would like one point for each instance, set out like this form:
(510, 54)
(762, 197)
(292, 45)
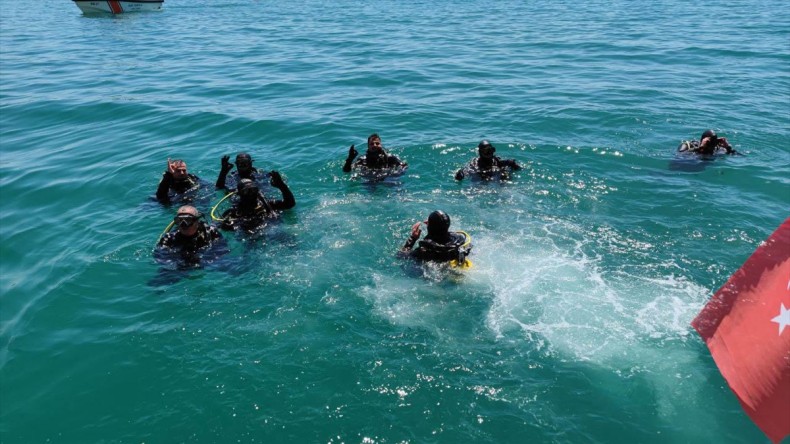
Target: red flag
(746, 325)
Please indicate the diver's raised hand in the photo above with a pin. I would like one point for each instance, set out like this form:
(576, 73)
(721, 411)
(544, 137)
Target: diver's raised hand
(226, 164)
(416, 230)
(352, 153)
(276, 179)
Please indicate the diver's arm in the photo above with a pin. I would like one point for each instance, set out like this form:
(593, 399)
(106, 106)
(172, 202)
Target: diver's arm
(163, 190)
(221, 180)
(726, 145)
(352, 153)
(469, 168)
(288, 200)
(511, 163)
(416, 231)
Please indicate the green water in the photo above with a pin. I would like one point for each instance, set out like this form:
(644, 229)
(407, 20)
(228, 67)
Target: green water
(573, 324)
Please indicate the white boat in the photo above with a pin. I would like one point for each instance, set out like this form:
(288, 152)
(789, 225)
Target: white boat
(118, 6)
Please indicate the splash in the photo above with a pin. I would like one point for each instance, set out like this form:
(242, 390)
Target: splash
(588, 300)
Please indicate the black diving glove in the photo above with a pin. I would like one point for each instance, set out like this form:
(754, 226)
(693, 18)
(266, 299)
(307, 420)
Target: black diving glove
(226, 165)
(352, 154)
(276, 180)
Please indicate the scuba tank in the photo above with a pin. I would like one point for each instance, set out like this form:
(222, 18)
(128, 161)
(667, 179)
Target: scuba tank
(453, 252)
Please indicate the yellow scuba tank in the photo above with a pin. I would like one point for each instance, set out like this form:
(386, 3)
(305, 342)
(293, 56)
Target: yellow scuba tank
(462, 262)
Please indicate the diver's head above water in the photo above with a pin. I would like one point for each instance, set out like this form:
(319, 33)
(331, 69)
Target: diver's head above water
(244, 164)
(248, 190)
(709, 134)
(374, 143)
(178, 169)
(438, 225)
(187, 220)
(710, 142)
(486, 150)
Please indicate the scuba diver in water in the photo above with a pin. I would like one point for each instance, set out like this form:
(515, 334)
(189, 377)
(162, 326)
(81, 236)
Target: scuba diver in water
(375, 157)
(708, 145)
(191, 236)
(244, 170)
(252, 208)
(175, 179)
(440, 244)
(191, 244)
(487, 165)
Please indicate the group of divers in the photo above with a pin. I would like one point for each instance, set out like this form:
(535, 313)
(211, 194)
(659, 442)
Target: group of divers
(190, 233)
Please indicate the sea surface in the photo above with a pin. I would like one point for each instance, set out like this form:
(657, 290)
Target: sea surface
(571, 327)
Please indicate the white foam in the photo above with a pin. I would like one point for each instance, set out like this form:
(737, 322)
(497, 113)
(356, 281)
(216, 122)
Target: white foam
(551, 287)
(563, 294)
(399, 300)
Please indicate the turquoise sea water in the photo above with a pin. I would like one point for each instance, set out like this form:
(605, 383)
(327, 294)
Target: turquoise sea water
(573, 325)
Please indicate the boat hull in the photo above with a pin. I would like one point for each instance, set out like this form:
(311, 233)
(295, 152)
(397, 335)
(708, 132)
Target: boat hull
(118, 6)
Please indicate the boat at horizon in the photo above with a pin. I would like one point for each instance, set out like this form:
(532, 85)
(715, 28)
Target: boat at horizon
(118, 6)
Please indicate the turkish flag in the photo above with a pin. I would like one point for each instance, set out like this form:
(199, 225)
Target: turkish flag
(746, 325)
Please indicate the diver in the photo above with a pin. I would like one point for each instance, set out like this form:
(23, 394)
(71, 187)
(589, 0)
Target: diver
(191, 236)
(375, 158)
(709, 144)
(175, 179)
(190, 244)
(440, 244)
(252, 208)
(244, 170)
(487, 165)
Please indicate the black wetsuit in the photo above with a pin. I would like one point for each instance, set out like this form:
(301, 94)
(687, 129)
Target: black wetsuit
(205, 236)
(229, 181)
(252, 214)
(450, 247)
(174, 247)
(486, 168)
(378, 160)
(169, 183)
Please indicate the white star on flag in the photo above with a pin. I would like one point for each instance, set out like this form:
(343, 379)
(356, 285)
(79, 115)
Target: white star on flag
(783, 319)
